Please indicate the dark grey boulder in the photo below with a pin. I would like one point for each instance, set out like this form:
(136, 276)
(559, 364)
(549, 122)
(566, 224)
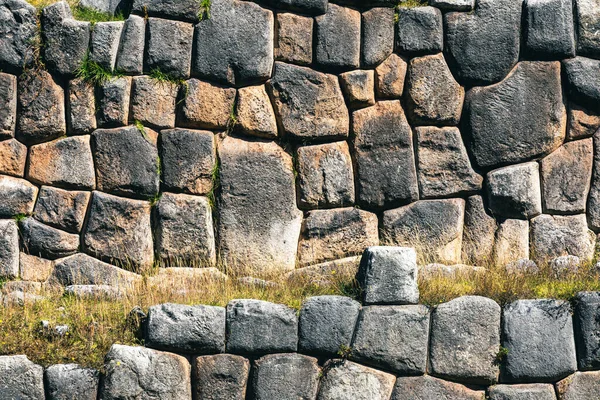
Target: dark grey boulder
(344, 379)
(104, 44)
(337, 38)
(187, 10)
(326, 324)
(220, 377)
(419, 30)
(427, 387)
(583, 76)
(169, 47)
(587, 329)
(377, 36)
(514, 191)
(186, 329)
(8, 113)
(18, 30)
(593, 205)
(393, 338)
(285, 376)
(68, 381)
(527, 121)
(9, 249)
(495, 24)
(479, 232)
(588, 24)
(62, 209)
(81, 107)
(538, 336)
(549, 30)
(81, 269)
(21, 379)
(312, 7)
(535, 391)
(453, 5)
(47, 242)
(235, 45)
(113, 102)
(126, 161)
(130, 56)
(17, 196)
(579, 386)
(260, 327)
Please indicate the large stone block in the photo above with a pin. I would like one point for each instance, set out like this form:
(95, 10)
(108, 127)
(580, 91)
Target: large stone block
(359, 88)
(469, 36)
(235, 45)
(18, 25)
(388, 275)
(583, 76)
(188, 159)
(8, 112)
(583, 122)
(538, 335)
(586, 321)
(113, 102)
(390, 76)
(453, 5)
(514, 191)
(130, 57)
(419, 30)
(187, 10)
(127, 161)
(528, 119)
(588, 24)
(67, 381)
(427, 387)
(560, 235)
(254, 113)
(111, 7)
(308, 104)
(259, 327)
(13, 156)
(17, 196)
(536, 391)
(258, 223)
(144, 373)
(9, 249)
(294, 39)
(184, 230)
(325, 176)
(337, 38)
(549, 30)
(285, 376)
(579, 386)
(34, 269)
(312, 7)
(344, 378)
(21, 379)
(44, 241)
(512, 242)
(435, 227)
(119, 230)
(443, 165)
(81, 269)
(383, 146)
(169, 47)
(81, 107)
(104, 44)
(62, 209)
(377, 35)
(41, 104)
(326, 324)
(478, 233)
(206, 106)
(393, 338)
(331, 234)
(65, 162)
(186, 329)
(220, 377)
(465, 339)
(153, 103)
(566, 176)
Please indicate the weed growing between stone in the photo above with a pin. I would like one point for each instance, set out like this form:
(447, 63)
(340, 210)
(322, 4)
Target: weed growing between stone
(204, 12)
(94, 73)
(81, 13)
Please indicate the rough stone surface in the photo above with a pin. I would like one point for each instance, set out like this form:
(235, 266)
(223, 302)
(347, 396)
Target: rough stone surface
(587, 329)
(206, 106)
(393, 338)
(188, 158)
(579, 386)
(186, 329)
(419, 30)
(549, 30)
(145, 373)
(465, 339)
(588, 23)
(536, 391)
(331, 234)
(173, 9)
(21, 379)
(478, 233)
(514, 191)
(378, 36)
(326, 273)
(495, 24)
(13, 156)
(119, 230)
(443, 164)
(254, 113)
(593, 206)
(9, 249)
(512, 242)
(81, 107)
(62, 209)
(47, 242)
(388, 275)
(312, 7)
(565, 266)
(95, 292)
(235, 45)
(522, 267)
(258, 223)
(528, 119)
(65, 162)
(434, 226)
(337, 38)
(111, 7)
(34, 269)
(113, 102)
(169, 47)
(359, 88)
(390, 76)
(259, 327)
(19, 19)
(41, 107)
(453, 5)
(81, 269)
(8, 96)
(583, 76)
(294, 39)
(220, 377)
(383, 148)
(17, 196)
(344, 379)
(285, 376)
(583, 122)
(308, 104)
(326, 324)
(184, 230)
(127, 161)
(153, 103)
(559, 235)
(66, 381)
(538, 335)
(428, 387)
(104, 44)
(130, 56)
(566, 176)
(325, 176)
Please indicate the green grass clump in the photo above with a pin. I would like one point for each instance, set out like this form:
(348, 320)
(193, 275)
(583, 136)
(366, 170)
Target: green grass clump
(94, 73)
(412, 3)
(204, 12)
(216, 184)
(94, 16)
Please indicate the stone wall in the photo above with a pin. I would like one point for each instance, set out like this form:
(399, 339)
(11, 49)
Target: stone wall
(387, 348)
(290, 133)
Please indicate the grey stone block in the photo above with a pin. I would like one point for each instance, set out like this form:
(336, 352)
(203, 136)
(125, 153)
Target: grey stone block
(453, 5)
(153, 103)
(285, 376)
(8, 113)
(112, 7)
(220, 377)
(312, 7)
(326, 324)
(35, 269)
(20, 19)
(390, 76)
(169, 47)
(68, 381)
(588, 23)
(419, 30)
(206, 106)
(95, 292)
(536, 391)
(514, 191)
(294, 38)
(47, 242)
(254, 113)
(259, 327)
(579, 386)
(427, 387)
(113, 98)
(583, 122)
(81, 269)
(344, 378)
(337, 38)
(186, 329)
(81, 107)
(17, 196)
(512, 242)
(393, 338)
(104, 44)
(377, 36)
(538, 335)
(187, 10)
(359, 88)
(549, 29)
(21, 379)
(13, 157)
(130, 56)
(587, 329)
(9, 249)
(62, 209)
(583, 77)
(558, 235)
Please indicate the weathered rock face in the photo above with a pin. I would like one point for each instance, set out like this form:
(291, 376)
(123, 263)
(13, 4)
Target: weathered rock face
(479, 232)
(104, 44)
(537, 391)
(549, 29)
(62, 209)
(587, 17)
(583, 122)
(19, 19)
(294, 38)
(153, 103)
(587, 330)
(389, 77)
(428, 387)
(583, 75)
(169, 47)
(259, 224)
(528, 119)
(71, 380)
(580, 385)
(8, 113)
(9, 249)
(81, 107)
(512, 242)
(554, 236)
(113, 102)
(290, 376)
(44, 241)
(34, 269)
(345, 378)
(222, 376)
(359, 88)
(81, 269)
(514, 192)
(17, 196)
(206, 106)
(420, 30)
(13, 156)
(378, 36)
(254, 113)
(338, 38)
(20, 378)
(130, 57)
(178, 9)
